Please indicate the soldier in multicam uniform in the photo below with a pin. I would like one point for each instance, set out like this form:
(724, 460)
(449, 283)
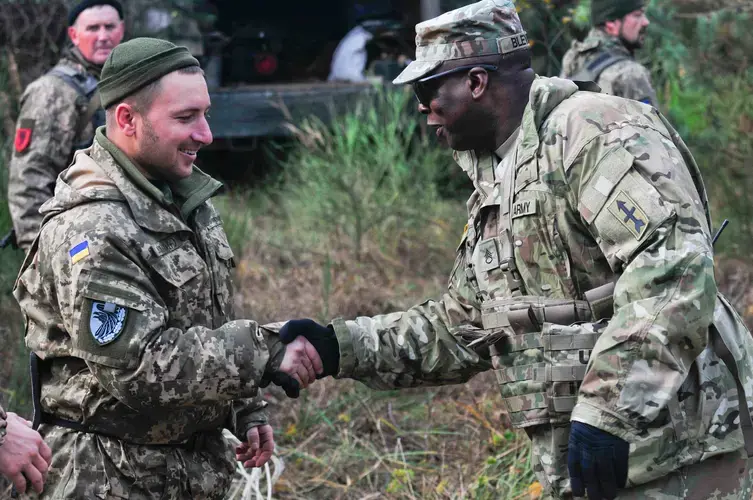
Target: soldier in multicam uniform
(24, 456)
(584, 279)
(59, 113)
(127, 295)
(606, 56)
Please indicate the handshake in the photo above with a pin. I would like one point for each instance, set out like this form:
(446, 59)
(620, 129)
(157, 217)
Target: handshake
(305, 351)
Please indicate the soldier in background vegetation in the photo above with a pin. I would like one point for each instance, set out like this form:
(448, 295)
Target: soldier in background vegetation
(607, 55)
(59, 113)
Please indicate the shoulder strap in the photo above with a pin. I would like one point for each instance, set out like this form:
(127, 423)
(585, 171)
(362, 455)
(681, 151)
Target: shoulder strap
(86, 86)
(592, 70)
(507, 252)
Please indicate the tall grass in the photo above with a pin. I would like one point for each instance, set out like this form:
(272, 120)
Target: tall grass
(368, 169)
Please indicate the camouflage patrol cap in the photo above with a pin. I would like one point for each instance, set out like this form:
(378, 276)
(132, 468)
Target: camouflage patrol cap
(479, 29)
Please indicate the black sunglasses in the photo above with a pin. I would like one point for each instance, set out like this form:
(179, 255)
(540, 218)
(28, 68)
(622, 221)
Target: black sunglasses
(425, 91)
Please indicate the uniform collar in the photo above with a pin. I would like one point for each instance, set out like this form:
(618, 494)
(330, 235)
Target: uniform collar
(607, 42)
(506, 147)
(75, 57)
(142, 195)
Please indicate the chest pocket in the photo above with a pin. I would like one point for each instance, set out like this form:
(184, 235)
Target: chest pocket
(540, 253)
(485, 249)
(221, 261)
(183, 280)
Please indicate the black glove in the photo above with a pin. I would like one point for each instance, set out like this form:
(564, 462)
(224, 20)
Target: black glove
(321, 337)
(288, 383)
(597, 461)
(273, 374)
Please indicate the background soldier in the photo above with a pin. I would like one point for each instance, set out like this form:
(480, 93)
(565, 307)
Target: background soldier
(607, 57)
(127, 294)
(24, 456)
(59, 113)
(584, 278)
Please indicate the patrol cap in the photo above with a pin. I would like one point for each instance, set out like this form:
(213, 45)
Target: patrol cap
(610, 10)
(136, 63)
(479, 29)
(85, 4)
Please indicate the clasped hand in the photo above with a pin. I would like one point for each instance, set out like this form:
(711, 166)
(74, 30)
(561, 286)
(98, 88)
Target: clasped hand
(306, 351)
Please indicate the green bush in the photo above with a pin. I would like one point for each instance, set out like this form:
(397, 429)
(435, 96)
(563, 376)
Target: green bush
(700, 68)
(370, 167)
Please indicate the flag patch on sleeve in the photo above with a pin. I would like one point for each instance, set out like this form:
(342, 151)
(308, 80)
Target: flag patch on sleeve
(80, 251)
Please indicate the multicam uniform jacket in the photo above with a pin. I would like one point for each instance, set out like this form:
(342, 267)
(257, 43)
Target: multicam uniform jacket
(593, 193)
(626, 77)
(128, 298)
(52, 124)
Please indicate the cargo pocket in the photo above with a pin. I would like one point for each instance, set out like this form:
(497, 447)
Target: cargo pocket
(222, 261)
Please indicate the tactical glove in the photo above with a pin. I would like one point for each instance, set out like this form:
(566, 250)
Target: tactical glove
(321, 337)
(597, 462)
(273, 374)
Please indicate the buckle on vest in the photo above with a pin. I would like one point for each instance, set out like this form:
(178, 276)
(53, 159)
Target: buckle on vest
(510, 270)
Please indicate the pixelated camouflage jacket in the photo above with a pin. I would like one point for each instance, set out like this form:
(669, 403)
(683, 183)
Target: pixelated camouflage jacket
(626, 78)
(174, 361)
(54, 112)
(601, 194)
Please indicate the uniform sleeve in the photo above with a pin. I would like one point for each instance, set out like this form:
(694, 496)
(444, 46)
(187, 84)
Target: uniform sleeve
(50, 115)
(637, 198)
(249, 413)
(434, 343)
(2, 425)
(119, 324)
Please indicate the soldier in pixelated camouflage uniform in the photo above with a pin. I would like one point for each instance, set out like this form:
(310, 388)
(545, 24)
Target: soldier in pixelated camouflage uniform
(606, 56)
(584, 279)
(127, 295)
(59, 112)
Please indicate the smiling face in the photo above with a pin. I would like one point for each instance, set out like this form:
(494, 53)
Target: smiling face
(96, 32)
(171, 131)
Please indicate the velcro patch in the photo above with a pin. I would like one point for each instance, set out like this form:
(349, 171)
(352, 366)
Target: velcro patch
(523, 207)
(80, 251)
(629, 214)
(107, 321)
(22, 140)
(488, 255)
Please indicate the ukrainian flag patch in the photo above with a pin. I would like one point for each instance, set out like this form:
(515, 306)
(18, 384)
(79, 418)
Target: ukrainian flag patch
(80, 251)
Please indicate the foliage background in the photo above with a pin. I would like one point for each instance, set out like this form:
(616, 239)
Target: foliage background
(364, 217)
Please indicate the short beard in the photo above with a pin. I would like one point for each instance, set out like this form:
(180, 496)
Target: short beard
(631, 46)
(149, 147)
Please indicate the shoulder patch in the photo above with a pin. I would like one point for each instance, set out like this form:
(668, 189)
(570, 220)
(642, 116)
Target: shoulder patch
(22, 140)
(79, 252)
(107, 321)
(629, 214)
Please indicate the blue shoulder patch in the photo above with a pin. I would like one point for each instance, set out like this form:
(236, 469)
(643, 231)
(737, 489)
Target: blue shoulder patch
(106, 321)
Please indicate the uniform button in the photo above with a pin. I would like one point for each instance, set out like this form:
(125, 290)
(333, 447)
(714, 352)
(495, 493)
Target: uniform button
(518, 243)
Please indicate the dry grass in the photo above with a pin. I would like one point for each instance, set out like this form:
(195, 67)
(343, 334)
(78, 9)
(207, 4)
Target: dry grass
(342, 440)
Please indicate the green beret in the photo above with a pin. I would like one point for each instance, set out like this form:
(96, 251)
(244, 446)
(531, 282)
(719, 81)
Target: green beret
(611, 10)
(136, 63)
